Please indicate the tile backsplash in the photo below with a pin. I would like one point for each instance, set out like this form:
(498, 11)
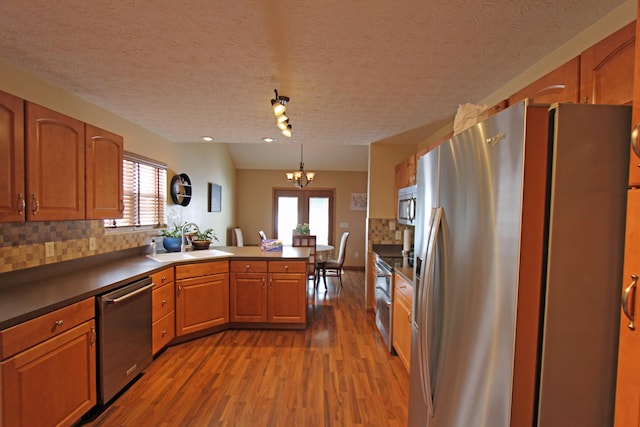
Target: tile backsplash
(23, 245)
(383, 231)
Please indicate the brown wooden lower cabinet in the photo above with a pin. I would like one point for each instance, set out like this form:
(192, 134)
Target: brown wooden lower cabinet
(202, 296)
(402, 303)
(163, 309)
(627, 411)
(52, 383)
(268, 292)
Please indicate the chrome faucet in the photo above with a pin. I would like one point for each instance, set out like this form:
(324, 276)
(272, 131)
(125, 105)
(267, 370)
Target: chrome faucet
(182, 229)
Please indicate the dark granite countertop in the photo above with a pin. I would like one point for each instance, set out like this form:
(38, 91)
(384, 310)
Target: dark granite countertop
(26, 294)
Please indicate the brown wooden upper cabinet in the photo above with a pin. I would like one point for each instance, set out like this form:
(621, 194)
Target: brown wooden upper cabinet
(560, 85)
(55, 167)
(104, 152)
(12, 192)
(606, 69)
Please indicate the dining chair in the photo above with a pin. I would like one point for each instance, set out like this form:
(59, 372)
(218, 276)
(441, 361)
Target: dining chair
(334, 266)
(306, 240)
(239, 239)
(262, 235)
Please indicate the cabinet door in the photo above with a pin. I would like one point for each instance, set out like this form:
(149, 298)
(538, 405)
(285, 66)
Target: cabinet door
(287, 298)
(55, 165)
(201, 303)
(402, 328)
(248, 299)
(606, 69)
(12, 195)
(634, 166)
(53, 383)
(628, 380)
(104, 152)
(560, 85)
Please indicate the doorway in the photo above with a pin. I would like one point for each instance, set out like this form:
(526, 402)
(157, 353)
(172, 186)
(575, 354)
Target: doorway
(300, 206)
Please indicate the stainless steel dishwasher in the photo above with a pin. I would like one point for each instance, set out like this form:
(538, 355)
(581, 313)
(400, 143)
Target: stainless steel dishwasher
(124, 336)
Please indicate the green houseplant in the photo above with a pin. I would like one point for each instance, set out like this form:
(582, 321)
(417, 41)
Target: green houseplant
(171, 240)
(202, 239)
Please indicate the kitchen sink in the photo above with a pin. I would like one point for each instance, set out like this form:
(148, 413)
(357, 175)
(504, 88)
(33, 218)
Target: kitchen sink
(186, 256)
(209, 253)
(171, 256)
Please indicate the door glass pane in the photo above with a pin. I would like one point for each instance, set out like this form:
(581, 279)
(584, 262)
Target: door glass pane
(319, 219)
(287, 218)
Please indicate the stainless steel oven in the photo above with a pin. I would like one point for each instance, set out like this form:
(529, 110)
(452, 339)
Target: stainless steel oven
(383, 295)
(124, 336)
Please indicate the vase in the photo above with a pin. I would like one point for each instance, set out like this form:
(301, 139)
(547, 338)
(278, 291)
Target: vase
(171, 244)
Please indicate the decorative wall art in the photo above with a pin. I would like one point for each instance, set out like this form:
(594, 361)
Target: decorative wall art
(358, 201)
(215, 198)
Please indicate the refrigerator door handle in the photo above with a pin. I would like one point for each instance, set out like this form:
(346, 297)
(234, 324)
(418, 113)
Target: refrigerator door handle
(625, 302)
(423, 347)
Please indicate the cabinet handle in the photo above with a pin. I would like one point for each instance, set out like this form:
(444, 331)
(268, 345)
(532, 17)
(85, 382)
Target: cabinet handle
(409, 317)
(247, 268)
(121, 205)
(93, 337)
(59, 323)
(263, 283)
(286, 268)
(179, 290)
(625, 302)
(164, 302)
(35, 204)
(270, 282)
(164, 332)
(634, 139)
(22, 204)
(164, 278)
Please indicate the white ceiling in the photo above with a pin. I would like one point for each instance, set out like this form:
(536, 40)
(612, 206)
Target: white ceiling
(356, 71)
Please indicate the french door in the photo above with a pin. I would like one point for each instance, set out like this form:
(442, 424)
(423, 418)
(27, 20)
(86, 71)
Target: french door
(297, 206)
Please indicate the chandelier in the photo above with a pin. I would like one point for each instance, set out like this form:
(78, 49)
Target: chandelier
(300, 178)
(279, 105)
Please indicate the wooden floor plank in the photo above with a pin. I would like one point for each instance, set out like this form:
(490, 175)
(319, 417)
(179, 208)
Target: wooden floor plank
(337, 372)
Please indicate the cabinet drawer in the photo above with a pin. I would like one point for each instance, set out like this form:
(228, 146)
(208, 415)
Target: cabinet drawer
(405, 290)
(163, 331)
(163, 301)
(201, 269)
(287, 266)
(248, 266)
(163, 277)
(32, 332)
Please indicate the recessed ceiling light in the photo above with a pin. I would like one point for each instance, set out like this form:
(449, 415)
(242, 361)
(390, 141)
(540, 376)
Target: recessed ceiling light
(268, 139)
(206, 138)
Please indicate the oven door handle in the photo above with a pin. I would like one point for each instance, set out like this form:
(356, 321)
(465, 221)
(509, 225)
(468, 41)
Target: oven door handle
(129, 295)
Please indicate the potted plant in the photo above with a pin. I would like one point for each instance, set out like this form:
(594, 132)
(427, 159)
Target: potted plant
(202, 239)
(171, 240)
(302, 229)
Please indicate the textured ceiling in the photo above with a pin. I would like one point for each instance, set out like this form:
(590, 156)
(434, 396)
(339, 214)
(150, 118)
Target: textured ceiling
(356, 71)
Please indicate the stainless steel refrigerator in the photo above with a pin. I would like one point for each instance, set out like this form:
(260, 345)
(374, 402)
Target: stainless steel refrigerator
(519, 247)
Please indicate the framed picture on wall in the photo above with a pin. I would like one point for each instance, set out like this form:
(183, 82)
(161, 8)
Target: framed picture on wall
(358, 201)
(215, 198)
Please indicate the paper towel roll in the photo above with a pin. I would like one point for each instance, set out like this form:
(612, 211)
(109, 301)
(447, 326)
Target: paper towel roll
(406, 244)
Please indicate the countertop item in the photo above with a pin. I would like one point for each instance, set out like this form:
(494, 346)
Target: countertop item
(26, 294)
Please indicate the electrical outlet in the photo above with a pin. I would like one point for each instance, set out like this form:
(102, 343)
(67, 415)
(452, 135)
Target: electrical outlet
(398, 234)
(49, 249)
(356, 255)
(344, 225)
(392, 225)
(92, 243)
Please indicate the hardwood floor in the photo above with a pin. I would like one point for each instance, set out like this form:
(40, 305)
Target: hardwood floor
(337, 372)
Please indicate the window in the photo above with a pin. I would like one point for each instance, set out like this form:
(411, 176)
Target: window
(314, 207)
(144, 182)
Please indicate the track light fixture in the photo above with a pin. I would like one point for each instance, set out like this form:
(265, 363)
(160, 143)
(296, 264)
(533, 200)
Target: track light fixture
(279, 105)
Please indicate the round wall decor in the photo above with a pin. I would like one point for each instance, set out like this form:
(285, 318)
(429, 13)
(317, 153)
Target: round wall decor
(180, 189)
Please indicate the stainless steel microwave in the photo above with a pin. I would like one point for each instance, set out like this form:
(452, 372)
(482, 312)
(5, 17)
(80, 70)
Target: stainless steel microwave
(407, 205)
